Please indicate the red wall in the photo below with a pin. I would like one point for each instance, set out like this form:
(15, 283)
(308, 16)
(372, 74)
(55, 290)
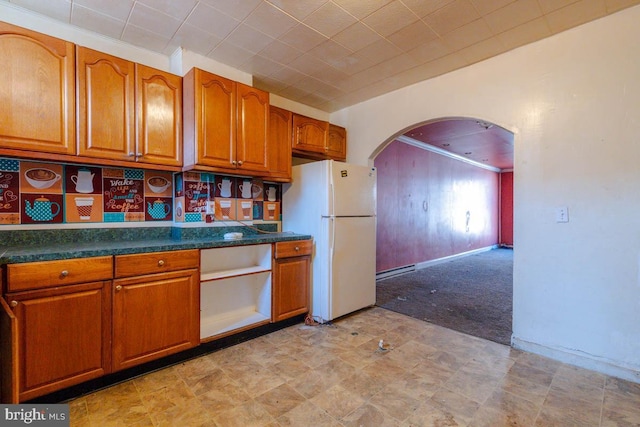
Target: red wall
(423, 199)
(506, 208)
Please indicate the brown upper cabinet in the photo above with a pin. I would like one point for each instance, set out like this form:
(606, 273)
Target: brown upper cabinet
(225, 125)
(127, 112)
(37, 86)
(280, 144)
(317, 139)
(337, 142)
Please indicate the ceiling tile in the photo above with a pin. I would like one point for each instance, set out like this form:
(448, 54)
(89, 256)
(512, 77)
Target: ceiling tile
(329, 51)
(268, 84)
(452, 16)
(260, 66)
(482, 50)
(116, 9)
(153, 20)
(249, 38)
(144, 38)
(329, 19)
(616, 5)
(429, 51)
(425, 7)
(356, 37)
(551, 5)
(230, 54)
(195, 40)
(236, 9)
(516, 13)
(177, 9)
(60, 10)
(360, 8)
(525, 33)
(485, 7)
(299, 9)
(280, 52)
(212, 21)
(390, 18)
(302, 37)
(288, 75)
(307, 64)
(95, 21)
(379, 51)
(467, 35)
(270, 20)
(412, 36)
(575, 14)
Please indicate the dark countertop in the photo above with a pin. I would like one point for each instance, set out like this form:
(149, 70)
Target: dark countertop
(67, 244)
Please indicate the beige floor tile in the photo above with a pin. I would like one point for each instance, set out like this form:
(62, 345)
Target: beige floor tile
(307, 414)
(395, 402)
(280, 400)
(460, 407)
(250, 413)
(174, 393)
(369, 415)
(222, 398)
(473, 383)
(505, 409)
(430, 414)
(337, 401)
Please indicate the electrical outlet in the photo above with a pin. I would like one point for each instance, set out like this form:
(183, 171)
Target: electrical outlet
(562, 214)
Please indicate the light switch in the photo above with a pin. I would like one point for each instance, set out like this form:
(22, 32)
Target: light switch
(562, 214)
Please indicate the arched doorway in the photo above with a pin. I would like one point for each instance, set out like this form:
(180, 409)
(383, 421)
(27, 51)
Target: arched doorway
(444, 192)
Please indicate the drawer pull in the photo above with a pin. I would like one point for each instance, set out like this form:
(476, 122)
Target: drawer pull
(161, 263)
(118, 287)
(297, 248)
(64, 273)
(14, 303)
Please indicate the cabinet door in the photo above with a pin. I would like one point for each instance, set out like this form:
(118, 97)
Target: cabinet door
(105, 106)
(252, 129)
(279, 144)
(210, 133)
(154, 316)
(309, 135)
(291, 287)
(37, 90)
(337, 142)
(158, 116)
(63, 336)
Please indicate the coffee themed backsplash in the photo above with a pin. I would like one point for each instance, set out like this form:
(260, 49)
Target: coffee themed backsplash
(48, 193)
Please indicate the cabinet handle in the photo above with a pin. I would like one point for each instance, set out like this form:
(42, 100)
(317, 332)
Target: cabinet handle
(118, 287)
(64, 273)
(14, 303)
(160, 263)
(239, 162)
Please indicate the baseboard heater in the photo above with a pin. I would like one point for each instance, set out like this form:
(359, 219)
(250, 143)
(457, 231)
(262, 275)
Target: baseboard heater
(395, 272)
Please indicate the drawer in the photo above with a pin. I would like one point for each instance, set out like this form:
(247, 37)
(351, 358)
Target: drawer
(47, 274)
(156, 262)
(293, 248)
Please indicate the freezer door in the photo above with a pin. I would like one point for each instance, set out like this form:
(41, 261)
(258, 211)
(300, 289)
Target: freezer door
(353, 264)
(352, 190)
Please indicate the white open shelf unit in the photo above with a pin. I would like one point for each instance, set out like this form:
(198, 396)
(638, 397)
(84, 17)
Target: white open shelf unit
(235, 288)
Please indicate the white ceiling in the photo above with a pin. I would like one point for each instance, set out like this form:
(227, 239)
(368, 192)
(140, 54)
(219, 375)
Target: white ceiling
(330, 54)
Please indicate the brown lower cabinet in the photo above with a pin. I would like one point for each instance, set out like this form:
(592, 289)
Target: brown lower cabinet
(291, 276)
(63, 337)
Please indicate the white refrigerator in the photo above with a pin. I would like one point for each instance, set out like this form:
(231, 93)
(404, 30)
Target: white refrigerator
(335, 203)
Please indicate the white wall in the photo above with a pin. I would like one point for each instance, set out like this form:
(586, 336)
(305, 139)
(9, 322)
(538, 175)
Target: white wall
(573, 102)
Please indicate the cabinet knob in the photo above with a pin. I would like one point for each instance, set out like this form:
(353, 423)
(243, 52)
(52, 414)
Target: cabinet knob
(132, 154)
(64, 273)
(160, 263)
(233, 162)
(118, 287)
(239, 162)
(14, 303)
(297, 248)
(139, 155)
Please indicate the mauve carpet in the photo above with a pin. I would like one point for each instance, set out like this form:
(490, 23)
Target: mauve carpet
(473, 294)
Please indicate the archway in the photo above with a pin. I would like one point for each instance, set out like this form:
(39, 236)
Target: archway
(442, 195)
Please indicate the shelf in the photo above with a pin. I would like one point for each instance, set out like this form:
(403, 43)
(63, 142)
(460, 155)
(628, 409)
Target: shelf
(236, 272)
(229, 321)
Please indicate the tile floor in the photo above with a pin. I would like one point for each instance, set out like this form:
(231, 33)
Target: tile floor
(335, 375)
